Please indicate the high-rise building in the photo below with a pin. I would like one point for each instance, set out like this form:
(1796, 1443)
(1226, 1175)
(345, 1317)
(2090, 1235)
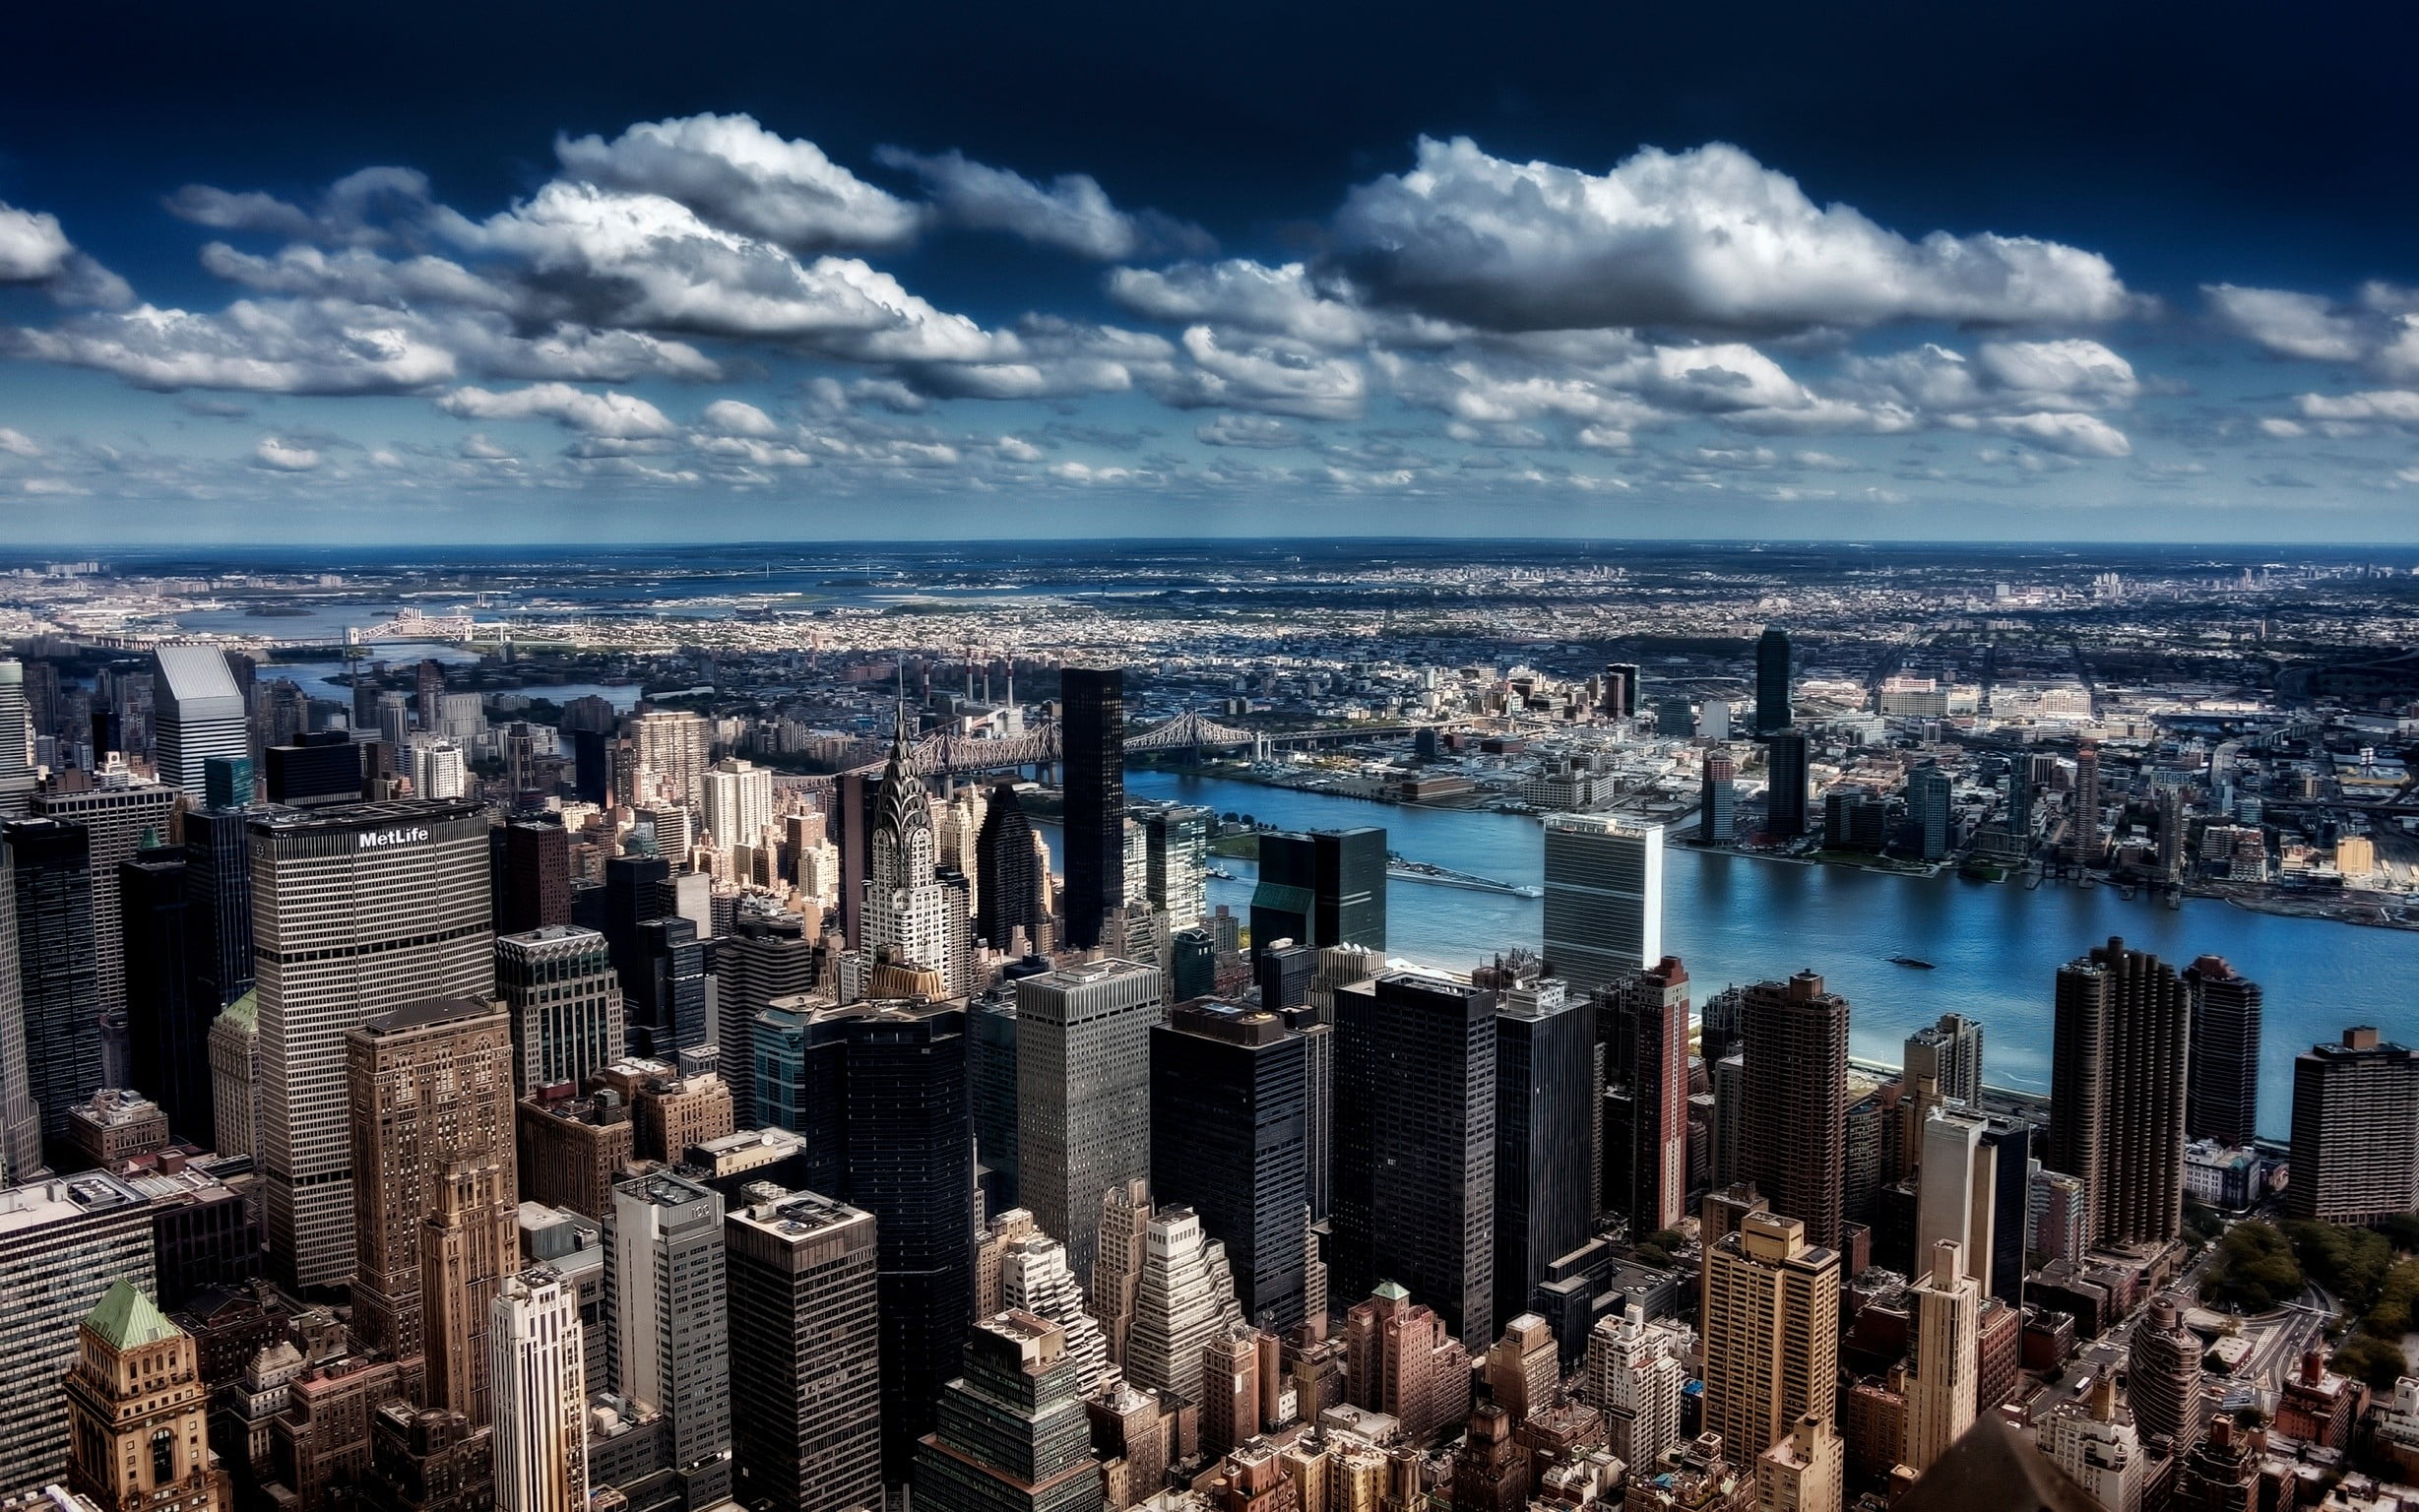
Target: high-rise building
(1950, 1055)
(234, 1077)
(219, 895)
(806, 1355)
(2082, 844)
(60, 999)
(2099, 1449)
(1604, 897)
(1183, 1296)
(63, 1244)
(1547, 1107)
(766, 956)
(432, 1134)
(1928, 791)
(1092, 748)
(200, 713)
(1785, 777)
(2116, 1081)
(1771, 1321)
(538, 1360)
(1083, 1093)
(135, 1409)
(570, 1151)
(1033, 1276)
(2223, 1100)
(1772, 713)
(910, 1163)
(1414, 1144)
(1401, 1359)
(672, 747)
(1011, 886)
(1794, 1142)
(1956, 1194)
(1327, 887)
(357, 909)
(738, 801)
(2020, 811)
(1013, 1433)
(21, 1121)
(534, 886)
(117, 822)
(17, 731)
(167, 1032)
(565, 1001)
(1642, 1020)
(2162, 1376)
(1230, 1137)
(1940, 1394)
(1176, 839)
(1717, 801)
(1633, 1375)
(1805, 1472)
(2355, 1130)
(665, 1014)
(672, 1329)
(911, 917)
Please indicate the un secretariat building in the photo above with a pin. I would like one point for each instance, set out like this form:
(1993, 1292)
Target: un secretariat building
(357, 909)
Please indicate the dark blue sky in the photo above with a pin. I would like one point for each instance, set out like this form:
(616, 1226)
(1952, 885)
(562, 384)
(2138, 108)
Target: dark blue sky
(2067, 271)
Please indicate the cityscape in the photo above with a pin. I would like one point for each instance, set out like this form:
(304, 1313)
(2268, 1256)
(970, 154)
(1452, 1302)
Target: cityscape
(1262, 1028)
(1276, 758)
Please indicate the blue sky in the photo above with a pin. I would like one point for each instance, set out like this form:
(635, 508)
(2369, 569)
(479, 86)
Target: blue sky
(486, 274)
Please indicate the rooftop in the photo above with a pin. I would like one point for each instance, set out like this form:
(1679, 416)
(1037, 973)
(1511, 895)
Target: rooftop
(126, 1319)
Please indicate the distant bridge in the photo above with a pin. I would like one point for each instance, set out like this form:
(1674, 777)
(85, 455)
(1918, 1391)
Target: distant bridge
(411, 624)
(946, 754)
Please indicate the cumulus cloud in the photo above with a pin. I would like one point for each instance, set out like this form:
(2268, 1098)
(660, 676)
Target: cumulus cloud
(617, 416)
(281, 455)
(1250, 430)
(737, 417)
(16, 442)
(1270, 375)
(1240, 294)
(1706, 237)
(738, 175)
(2398, 407)
(2069, 434)
(2379, 329)
(35, 249)
(1071, 213)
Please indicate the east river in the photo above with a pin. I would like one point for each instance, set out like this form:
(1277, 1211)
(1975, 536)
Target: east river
(1996, 946)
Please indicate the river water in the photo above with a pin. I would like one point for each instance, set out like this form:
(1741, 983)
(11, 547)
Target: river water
(1997, 947)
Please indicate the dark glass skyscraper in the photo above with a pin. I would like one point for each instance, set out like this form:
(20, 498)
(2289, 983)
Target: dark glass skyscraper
(1795, 1145)
(1546, 1108)
(1230, 1139)
(219, 904)
(168, 1030)
(2223, 1101)
(1092, 745)
(1320, 889)
(1772, 681)
(56, 975)
(537, 880)
(668, 1011)
(1785, 758)
(1011, 892)
(1414, 1144)
(910, 1163)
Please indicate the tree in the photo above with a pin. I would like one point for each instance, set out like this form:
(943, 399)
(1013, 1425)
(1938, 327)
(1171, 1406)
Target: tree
(2370, 1359)
(2255, 1270)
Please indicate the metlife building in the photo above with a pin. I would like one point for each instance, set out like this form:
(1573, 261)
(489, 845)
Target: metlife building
(357, 909)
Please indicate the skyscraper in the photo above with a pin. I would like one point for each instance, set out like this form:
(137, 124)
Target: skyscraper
(1178, 849)
(63, 1244)
(1091, 747)
(1230, 1139)
(1771, 1321)
(1941, 1395)
(357, 909)
(1633, 1375)
(2117, 1083)
(136, 1402)
(21, 1121)
(1327, 887)
(1793, 1145)
(1033, 1276)
(534, 885)
(2082, 844)
(738, 801)
(1604, 897)
(806, 1355)
(1011, 888)
(15, 743)
(537, 1359)
(672, 748)
(908, 912)
(117, 822)
(1785, 777)
(1948, 1053)
(1717, 801)
(1928, 791)
(2355, 1130)
(1957, 1196)
(200, 713)
(51, 863)
(1772, 713)
(1182, 1297)
(2223, 1101)
(1805, 1472)
(1415, 1154)
(672, 1331)
(430, 1088)
(2019, 814)
(1013, 1433)
(765, 956)
(1649, 1011)
(1083, 1093)
(565, 1005)
(219, 894)
(167, 1030)
(2163, 1373)
(910, 1163)
(1547, 1101)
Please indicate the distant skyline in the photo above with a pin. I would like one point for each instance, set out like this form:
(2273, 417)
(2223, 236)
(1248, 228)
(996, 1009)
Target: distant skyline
(756, 273)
